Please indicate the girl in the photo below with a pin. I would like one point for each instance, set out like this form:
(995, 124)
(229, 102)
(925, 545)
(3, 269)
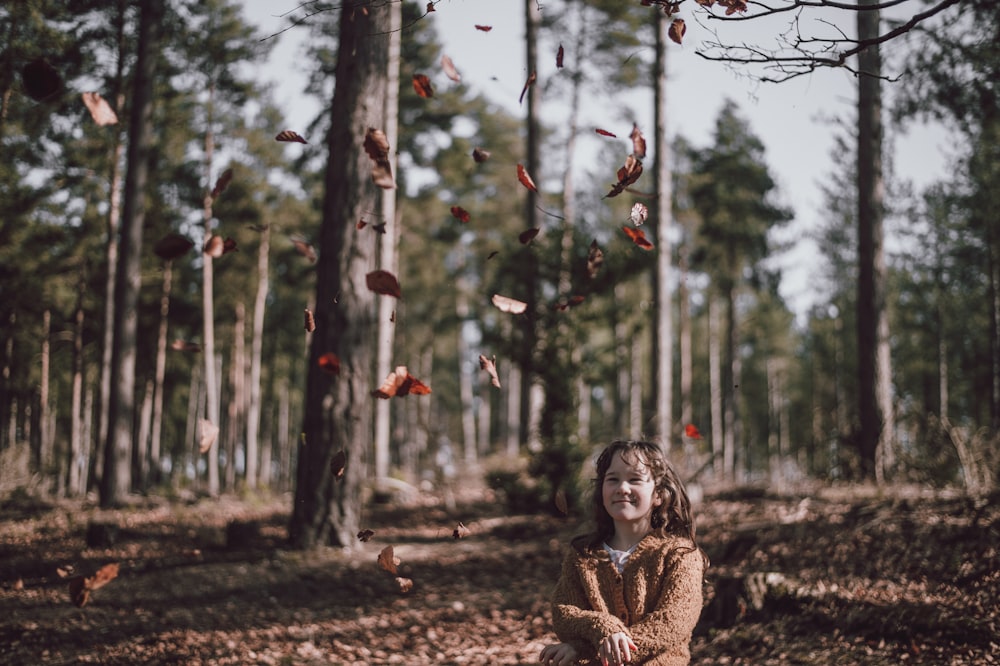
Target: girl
(631, 591)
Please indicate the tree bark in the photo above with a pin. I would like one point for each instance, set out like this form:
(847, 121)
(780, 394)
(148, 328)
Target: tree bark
(208, 306)
(721, 454)
(156, 428)
(76, 458)
(256, 353)
(663, 339)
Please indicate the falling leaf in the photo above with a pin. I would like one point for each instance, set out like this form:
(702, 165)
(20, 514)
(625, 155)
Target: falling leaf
(559, 57)
(525, 178)
(639, 214)
(449, 69)
(576, 299)
(365, 535)
(228, 245)
(100, 110)
(216, 246)
(527, 84)
(484, 28)
(81, 586)
(184, 345)
(329, 363)
(379, 228)
(480, 155)
(691, 431)
(627, 175)
(289, 135)
(405, 584)
(461, 531)
(305, 249)
(490, 366)
(207, 433)
(338, 464)
(422, 85)
(527, 235)
(561, 503)
(638, 237)
(377, 148)
(506, 304)
(41, 81)
(676, 30)
(638, 142)
(222, 183)
(492, 254)
(595, 257)
(310, 321)
(388, 561)
(460, 214)
(603, 132)
(430, 7)
(400, 383)
(383, 282)
(172, 246)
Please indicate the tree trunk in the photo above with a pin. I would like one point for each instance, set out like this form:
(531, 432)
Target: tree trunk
(721, 454)
(115, 480)
(156, 428)
(338, 409)
(663, 339)
(45, 460)
(76, 457)
(256, 353)
(388, 259)
(208, 306)
(465, 375)
(730, 385)
(140, 449)
(874, 364)
(684, 338)
(236, 399)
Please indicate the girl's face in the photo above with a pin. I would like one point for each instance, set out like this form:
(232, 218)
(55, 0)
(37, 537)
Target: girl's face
(629, 493)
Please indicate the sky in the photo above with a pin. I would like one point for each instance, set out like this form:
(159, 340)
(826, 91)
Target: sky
(793, 119)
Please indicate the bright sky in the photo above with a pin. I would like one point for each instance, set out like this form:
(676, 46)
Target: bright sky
(792, 119)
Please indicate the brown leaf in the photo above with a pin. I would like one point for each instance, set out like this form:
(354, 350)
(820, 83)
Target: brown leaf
(527, 84)
(511, 305)
(338, 464)
(676, 30)
(329, 363)
(561, 504)
(639, 214)
(480, 155)
(377, 148)
(214, 247)
(525, 178)
(527, 236)
(405, 584)
(400, 383)
(172, 246)
(490, 366)
(595, 257)
(80, 587)
(100, 110)
(627, 175)
(305, 249)
(388, 561)
(422, 85)
(222, 183)
(461, 531)
(430, 7)
(207, 434)
(365, 535)
(310, 321)
(484, 28)
(559, 57)
(184, 345)
(603, 132)
(638, 237)
(228, 245)
(638, 142)
(289, 135)
(449, 69)
(460, 214)
(383, 282)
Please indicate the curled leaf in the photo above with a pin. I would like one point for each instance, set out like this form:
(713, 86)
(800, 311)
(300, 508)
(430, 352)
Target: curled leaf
(627, 175)
(310, 321)
(507, 304)
(388, 561)
(480, 155)
(365, 535)
(638, 142)
(639, 214)
(184, 345)
(207, 434)
(100, 110)
(527, 235)
(222, 183)
(329, 363)
(383, 282)
(80, 587)
(422, 85)
(490, 366)
(484, 28)
(676, 30)
(405, 584)
(305, 249)
(289, 135)
(461, 531)
(604, 132)
(460, 214)
(377, 147)
(449, 69)
(691, 431)
(525, 178)
(527, 84)
(400, 383)
(638, 237)
(559, 57)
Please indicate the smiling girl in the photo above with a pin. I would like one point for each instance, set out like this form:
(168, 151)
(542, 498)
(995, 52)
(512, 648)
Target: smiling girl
(630, 592)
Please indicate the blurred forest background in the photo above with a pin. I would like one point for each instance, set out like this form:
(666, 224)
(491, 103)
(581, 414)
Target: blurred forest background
(154, 271)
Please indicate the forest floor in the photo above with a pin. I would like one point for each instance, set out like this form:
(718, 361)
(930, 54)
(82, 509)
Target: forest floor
(830, 576)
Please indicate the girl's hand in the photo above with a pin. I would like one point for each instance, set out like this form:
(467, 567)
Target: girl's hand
(616, 649)
(560, 654)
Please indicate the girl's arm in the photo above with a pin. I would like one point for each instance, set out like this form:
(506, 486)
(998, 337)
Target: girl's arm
(573, 620)
(666, 631)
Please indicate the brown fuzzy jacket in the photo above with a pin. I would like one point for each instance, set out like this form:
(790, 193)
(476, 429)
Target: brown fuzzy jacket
(657, 599)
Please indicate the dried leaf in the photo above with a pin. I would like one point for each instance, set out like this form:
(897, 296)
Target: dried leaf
(80, 587)
(525, 178)
(184, 345)
(289, 135)
(329, 363)
(559, 57)
(305, 249)
(172, 246)
(460, 214)
(676, 30)
(639, 214)
(480, 155)
(100, 110)
(383, 282)
(310, 321)
(461, 531)
(405, 584)
(603, 132)
(214, 247)
(638, 237)
(449, 69)
(484, 28)
(627, 175)
(527, 236)
(338, 464)
(430, 7)
(511, 305)
(365, 535)
(207, 434)
(561, 504)
(222, 183)
(638, 142)
(576, 299)
(377, 148)
(527, 84)
(691, 431)
(490, 366)
(422, 85)
(595, 258)
(400, 383)
(388, 561)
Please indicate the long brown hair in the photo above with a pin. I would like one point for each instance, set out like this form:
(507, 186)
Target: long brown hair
(672, 516)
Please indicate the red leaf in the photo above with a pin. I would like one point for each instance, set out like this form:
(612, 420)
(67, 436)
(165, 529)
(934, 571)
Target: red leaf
(222, 183)
(627, 175)
(449, 69)
(490, 366)
(605, 133)
(525, 179)
(460, 214)
(691, 431)
(527, 84)
(676, 30)
(289, 135)
(422, 85)
(329, 363)
(377, 148)
(638, 237)
(527, 235)
(484, 28)
(559, 56)
(383, 282)
(80, 587)
(100, 110)
(337, 464)
(399, 383)
(507, 304)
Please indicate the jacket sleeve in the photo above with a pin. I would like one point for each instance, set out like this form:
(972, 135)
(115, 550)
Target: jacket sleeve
(573, 619)
(664, 634)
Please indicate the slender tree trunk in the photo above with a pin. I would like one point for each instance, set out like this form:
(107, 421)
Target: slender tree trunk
(731, 386)
(156, 428)
(663, 339)
(339, 413)
(44, 456)
(465, 373)
(635, 394)
(623, 381)
(76, 471)
(184, 454)
(684, 338)
(9, 399)
(236, 399)
(256, 353)
(722, 455)
(140, 449)
(115, 481)
(208, 304)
